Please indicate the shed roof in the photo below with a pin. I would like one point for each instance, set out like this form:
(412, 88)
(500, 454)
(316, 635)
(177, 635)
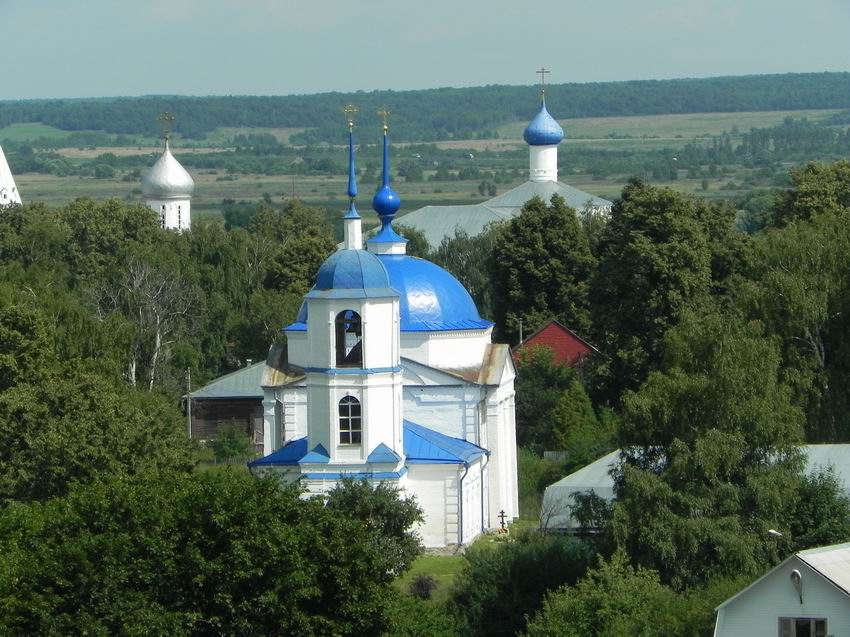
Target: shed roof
(243, 383)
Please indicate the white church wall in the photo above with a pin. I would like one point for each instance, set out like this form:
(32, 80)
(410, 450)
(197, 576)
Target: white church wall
(174, 214)
(451, 350)
(381, 346)
(435, 488)
(472, 510)
(320, 319)
(296, 348)
(453, 411)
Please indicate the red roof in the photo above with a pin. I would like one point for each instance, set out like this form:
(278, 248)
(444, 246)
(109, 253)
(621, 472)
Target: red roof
(569, 348)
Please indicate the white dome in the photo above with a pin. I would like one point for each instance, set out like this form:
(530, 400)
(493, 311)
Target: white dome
(167, 179)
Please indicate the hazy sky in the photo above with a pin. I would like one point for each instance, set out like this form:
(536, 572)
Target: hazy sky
(77, 48)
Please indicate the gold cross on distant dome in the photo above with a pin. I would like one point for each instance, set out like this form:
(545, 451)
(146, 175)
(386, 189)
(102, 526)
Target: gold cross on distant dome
(384, 113)
(165, 120)
(350, 111)
(542, 73)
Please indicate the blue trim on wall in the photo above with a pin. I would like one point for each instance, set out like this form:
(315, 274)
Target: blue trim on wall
(357, 371)
(357, 475)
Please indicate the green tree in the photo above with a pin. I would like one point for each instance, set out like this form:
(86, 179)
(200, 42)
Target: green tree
(499, 586)
(711, 460)
(654, 264)
(816, 189)
(417, 244)
(613, 599)
(232, 442)
(191, 554)
(540, 268)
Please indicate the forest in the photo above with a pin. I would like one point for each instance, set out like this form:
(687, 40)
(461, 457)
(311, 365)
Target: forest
(435, 114)
(723, 349)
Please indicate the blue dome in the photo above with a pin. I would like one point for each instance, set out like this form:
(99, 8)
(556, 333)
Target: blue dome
(431, 298)
(543, 129)
(350, 270)
(386, 202)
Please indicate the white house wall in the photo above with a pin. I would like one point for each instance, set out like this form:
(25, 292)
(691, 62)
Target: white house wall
(757, 611)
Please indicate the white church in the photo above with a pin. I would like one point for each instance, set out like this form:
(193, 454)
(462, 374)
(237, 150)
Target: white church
(543, 135)
(389, 375)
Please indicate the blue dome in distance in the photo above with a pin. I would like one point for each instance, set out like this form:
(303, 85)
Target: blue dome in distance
(543, 129)
(351, 270)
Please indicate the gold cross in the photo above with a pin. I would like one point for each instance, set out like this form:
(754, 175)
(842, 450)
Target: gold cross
(350, 111)
(542, 72)
(384, 113)
(165, 120)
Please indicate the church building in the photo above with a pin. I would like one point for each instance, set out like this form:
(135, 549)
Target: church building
(9, 194)
(543, 134)
(167, 188)
(389, 375)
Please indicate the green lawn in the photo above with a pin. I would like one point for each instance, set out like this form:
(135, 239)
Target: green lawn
(444, 568)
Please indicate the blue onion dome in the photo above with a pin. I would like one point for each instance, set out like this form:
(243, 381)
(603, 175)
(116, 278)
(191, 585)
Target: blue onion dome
(431, 298)
(543, 130)
(351, 270)
(386, 202)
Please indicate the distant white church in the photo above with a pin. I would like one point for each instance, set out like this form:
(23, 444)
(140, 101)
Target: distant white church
(167, 188)
(9, 194)
(543, 134)
(390, 375)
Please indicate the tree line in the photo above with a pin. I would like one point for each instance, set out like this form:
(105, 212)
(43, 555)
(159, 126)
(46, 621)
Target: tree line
(436, 114)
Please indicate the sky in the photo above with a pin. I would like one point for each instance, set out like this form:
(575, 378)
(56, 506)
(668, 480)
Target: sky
(94, 48)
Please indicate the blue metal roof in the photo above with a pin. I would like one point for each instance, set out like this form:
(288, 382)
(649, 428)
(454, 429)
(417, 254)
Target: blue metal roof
(387, 234)
(319, 455)
(543, 129)
(288, 454)
(351, 269)
(421, 446)
(431, 298)
(382, 454)
(426, 446)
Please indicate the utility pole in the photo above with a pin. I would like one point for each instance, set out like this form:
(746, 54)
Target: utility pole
(520, 331)
(189, 401)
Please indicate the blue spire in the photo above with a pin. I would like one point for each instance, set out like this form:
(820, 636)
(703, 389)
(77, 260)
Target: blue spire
(352, 172)
(386, 202)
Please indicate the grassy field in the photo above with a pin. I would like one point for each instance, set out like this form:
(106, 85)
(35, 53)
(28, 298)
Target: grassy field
(443, 568)
(669, 127)
(26, 132)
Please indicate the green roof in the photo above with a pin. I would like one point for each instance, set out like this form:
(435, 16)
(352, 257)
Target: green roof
(437, 222)
(243, 383)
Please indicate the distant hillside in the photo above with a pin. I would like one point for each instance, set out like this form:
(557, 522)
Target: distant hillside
(438, 114)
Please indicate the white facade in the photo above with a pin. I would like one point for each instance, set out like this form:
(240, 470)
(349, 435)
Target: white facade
(796, 598)
(9, 194)
(174, 214)
(543, 163)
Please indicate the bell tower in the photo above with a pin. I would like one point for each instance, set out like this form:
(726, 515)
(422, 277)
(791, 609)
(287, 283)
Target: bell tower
(353, 367)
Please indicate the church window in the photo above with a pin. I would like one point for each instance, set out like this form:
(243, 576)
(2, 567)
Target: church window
(179, 223)
(350, 421)
(349, 339)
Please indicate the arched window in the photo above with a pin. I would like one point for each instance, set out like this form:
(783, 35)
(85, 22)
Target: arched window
(349, 339)
(350, 421)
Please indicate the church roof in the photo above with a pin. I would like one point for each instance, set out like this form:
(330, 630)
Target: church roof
(350, 270)
(431, 299)
(426, 446)
(421, 446)
(436, 222)
(543, 130)
(167, 179)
